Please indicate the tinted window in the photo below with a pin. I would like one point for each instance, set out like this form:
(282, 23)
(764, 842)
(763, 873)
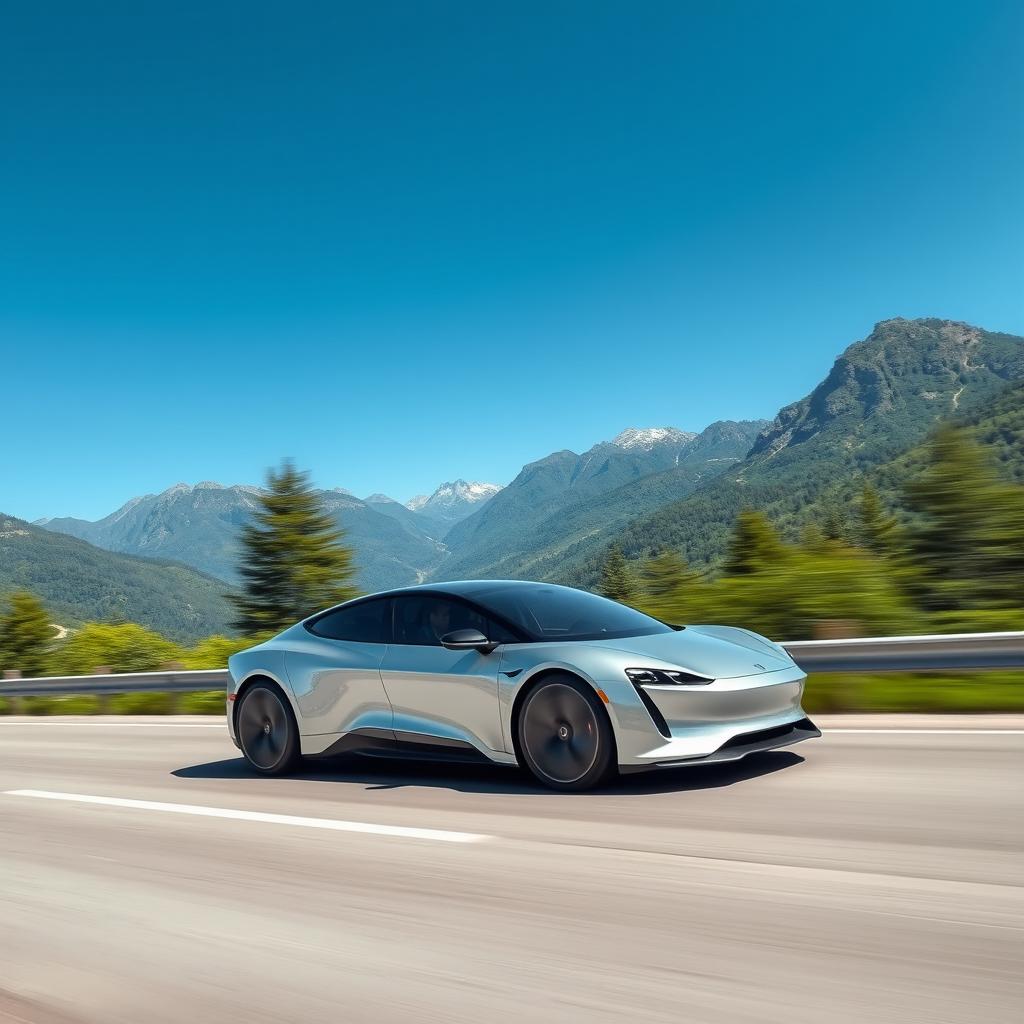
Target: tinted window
(546, 612)
(422, 619)
(368, 622)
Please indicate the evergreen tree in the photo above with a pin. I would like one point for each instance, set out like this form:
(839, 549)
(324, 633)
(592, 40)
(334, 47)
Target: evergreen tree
(754, 546)
(876, 530)
(668, 586)
(25, 635)
(293, 558)
(966, 538)
(834, 525)
(812, 538)
(617, 580)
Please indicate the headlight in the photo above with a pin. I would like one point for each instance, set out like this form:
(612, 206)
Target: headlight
(665, 677)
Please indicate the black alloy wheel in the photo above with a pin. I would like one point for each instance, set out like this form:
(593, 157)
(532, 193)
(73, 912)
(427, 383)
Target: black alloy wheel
(267, 731)
(564, 735)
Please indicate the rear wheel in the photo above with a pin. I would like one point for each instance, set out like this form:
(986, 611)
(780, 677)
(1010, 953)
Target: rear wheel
(564, 735)
(267, 732)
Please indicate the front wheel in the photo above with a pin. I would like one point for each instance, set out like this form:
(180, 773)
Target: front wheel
(564, 735)
(267, 732)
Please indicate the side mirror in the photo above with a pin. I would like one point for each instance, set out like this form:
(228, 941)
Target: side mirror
(467, 640)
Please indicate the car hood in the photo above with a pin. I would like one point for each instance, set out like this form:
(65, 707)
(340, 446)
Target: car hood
(718, 652)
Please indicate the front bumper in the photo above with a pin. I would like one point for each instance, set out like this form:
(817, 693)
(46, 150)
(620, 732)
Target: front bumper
(736, 747)
(724, 720)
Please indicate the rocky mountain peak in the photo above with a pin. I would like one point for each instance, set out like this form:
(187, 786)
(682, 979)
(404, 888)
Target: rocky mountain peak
(634, 439)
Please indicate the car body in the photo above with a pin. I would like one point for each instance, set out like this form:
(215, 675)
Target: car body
(449, 671)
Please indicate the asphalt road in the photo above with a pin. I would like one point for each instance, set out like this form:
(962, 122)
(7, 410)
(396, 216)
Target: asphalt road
(874, 875)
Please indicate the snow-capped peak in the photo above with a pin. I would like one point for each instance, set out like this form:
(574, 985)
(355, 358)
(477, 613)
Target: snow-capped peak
(454, 498)
(645, 440)
(455, 490)
(473, 491)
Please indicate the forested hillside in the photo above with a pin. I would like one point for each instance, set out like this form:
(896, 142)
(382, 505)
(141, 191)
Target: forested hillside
(883, 396)
(556, 501)
(80, 583)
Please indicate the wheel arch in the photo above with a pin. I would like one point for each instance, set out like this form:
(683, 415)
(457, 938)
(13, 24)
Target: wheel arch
(531, 684)
(259, 676)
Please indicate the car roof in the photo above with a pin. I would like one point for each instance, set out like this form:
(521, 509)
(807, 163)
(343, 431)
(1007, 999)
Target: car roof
(463, 588)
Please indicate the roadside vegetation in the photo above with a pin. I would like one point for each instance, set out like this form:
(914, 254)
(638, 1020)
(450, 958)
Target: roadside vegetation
(944, 555)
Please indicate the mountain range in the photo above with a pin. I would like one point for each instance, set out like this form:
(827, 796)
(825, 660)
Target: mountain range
(882, 397)
(198, 525)
(558, 500)
(646, 489)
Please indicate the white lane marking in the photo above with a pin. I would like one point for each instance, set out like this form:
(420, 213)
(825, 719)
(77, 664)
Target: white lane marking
(332, 824)
(124, 725)
(931, 732)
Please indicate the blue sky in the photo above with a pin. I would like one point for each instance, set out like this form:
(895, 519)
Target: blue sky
(404, 243)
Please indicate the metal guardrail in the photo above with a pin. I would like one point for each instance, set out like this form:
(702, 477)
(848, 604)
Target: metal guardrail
(966, 651)
(958, 651)
(119, 682)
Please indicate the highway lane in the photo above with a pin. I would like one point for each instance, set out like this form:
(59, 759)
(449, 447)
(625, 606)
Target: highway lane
(876, 873)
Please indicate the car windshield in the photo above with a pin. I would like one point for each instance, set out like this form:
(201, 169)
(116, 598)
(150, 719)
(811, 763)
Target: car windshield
(546, 612)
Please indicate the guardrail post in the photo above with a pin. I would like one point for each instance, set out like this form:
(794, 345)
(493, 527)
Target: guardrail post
(17, 703)
(175, 698)
(103, 701)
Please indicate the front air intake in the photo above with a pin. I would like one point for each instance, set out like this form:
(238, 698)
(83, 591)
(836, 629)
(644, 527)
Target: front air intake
(656, 716)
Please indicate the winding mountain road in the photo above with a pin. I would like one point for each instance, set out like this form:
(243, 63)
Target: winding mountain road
(876, 874)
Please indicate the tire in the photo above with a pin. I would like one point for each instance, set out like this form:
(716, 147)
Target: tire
(267, 732)
(564, 736)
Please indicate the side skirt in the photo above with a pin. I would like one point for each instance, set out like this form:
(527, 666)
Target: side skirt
(385, 743)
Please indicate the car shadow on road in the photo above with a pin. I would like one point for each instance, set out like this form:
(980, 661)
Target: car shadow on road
(386, 773)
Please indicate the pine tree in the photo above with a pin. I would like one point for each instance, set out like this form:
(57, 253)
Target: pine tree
(813, 539)
(754, 546)
(26, 635)
(617, 580)
(834, 524)
(293, 560)
(668, 586)
(876, 530)
(967, 535)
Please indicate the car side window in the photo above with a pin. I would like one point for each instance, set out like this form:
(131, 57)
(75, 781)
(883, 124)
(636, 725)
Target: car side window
(422, 619)
(368, 622)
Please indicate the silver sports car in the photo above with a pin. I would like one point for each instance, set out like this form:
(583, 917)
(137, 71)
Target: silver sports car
(570, 685)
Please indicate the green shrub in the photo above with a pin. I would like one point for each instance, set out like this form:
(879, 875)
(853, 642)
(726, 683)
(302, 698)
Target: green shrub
(214, 651)
(209, 702)
(977, 620)
(121, 648)
(74, 704)
(971, 693)
(142, 704)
